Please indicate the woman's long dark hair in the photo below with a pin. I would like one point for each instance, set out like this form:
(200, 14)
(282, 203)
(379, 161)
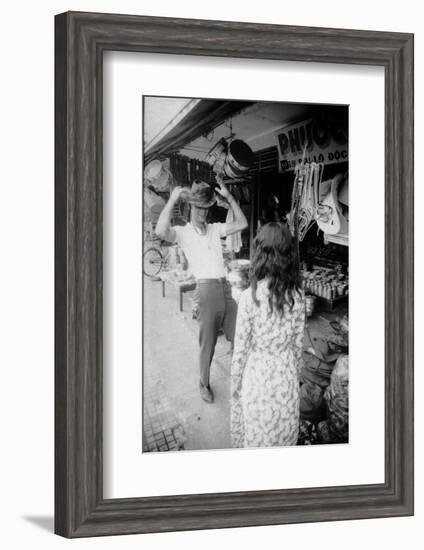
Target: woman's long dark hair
(274, 258)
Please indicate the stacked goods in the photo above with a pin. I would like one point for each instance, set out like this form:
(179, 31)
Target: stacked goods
(325, 283)
(309, 305)
(239, 274)
(238, 277)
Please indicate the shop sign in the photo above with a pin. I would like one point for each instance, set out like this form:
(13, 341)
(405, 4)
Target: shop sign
(326, 143)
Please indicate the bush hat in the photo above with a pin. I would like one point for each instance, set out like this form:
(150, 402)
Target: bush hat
(201, 194)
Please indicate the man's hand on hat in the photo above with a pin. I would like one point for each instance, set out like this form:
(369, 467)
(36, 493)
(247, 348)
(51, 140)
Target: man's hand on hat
(223, 191)
(176, 193)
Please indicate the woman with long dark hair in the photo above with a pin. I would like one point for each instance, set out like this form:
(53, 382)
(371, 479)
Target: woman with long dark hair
(268, 345)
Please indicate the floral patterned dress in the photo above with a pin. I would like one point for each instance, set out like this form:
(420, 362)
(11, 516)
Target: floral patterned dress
(264, 372)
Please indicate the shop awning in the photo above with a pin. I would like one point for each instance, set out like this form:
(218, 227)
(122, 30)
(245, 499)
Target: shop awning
(201, 119)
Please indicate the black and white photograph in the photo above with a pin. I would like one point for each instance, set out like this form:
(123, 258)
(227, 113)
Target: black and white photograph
(245, 274)
(211, 248)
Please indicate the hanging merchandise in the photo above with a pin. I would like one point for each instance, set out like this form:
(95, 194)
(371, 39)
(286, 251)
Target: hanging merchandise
(314, 200)
(330, 218)
(233, 241)
(309, 198)
(153, 205)
(156, 175)
(216, 156)
(234, 158)
(343, 192)
(305, 197)
(239, 159)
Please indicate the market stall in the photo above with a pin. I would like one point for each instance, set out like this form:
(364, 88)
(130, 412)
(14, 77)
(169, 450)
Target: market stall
(281, 162)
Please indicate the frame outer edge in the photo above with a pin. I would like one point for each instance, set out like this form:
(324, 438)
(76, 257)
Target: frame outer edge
(399, 276)
(87, 260)
(77, 289)
(61, 269)
(406, 174)
(99, 271)
(79, 508)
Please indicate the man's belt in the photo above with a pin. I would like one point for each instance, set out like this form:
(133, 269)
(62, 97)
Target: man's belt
(217, 280)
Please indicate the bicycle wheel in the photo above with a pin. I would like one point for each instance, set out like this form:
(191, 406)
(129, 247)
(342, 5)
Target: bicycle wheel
(152, 262)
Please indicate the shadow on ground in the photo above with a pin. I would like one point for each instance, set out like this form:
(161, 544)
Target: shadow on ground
(46, 523)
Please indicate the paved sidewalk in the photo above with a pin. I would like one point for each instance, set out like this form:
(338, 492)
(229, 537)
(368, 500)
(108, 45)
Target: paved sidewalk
(174, 415)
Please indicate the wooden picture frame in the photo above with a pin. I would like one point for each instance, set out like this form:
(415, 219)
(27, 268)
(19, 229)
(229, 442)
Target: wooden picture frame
(80, 40)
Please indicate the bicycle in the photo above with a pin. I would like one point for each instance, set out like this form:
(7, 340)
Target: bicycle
(155, 256)
(153, 262)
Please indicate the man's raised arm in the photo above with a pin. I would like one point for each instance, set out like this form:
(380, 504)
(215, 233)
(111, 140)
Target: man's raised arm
(240, 221)
(163, 225)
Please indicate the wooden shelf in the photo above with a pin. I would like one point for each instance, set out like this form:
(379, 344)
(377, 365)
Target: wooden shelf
(328, 303)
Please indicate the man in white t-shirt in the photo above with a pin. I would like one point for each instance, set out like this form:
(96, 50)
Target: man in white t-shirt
(201, 243)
